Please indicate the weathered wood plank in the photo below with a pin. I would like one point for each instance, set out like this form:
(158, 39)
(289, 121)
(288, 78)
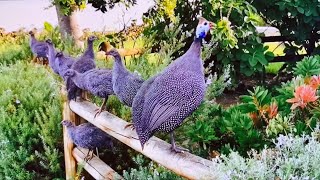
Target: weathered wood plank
(96, 167)
(184, 164)
(69, 160)
(289, 58)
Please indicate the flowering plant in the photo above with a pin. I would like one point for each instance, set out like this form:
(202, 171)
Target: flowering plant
(302, 96)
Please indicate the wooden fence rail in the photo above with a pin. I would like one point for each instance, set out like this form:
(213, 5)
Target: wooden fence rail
(96, 167)
(184, 164)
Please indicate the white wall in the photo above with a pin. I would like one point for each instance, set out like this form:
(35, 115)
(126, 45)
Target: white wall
(15, 14)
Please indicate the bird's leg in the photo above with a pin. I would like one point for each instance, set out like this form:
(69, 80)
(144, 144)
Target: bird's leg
(130, 125)
(89, 156)
(41, 61)
(34, 59)
(79, 95)
(102, 107)
(85, 96)
(174, 147)
(97, 151)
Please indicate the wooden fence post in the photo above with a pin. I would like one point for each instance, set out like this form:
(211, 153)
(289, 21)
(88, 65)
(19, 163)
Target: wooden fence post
(70, 162)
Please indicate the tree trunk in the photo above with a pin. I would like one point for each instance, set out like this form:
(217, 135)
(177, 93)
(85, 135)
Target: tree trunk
(69, 27)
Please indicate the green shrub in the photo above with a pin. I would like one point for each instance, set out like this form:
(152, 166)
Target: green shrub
(151, 171)
(308, 66)
(215, 128)
(216, 85)
(200, 127)
(293, 157)
(14, 50)
(240, 131)
(30, 132)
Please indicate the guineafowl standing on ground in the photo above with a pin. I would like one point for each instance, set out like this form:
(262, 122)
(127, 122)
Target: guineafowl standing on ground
(125, 83)
(84, 63)
(52, 56)
(165, 100)
(97, 81)
(88, 136)
(39, 49)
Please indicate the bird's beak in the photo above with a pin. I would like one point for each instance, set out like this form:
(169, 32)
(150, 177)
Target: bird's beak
(212, 25)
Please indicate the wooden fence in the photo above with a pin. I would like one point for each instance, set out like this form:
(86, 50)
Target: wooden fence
(184, 164)
(292, 57)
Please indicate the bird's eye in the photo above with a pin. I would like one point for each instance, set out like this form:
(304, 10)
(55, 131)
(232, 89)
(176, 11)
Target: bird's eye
(205, 23)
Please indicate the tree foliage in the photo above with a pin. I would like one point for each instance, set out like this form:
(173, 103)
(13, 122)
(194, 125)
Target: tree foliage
(238, 43)
(68, 6)
(297, 18)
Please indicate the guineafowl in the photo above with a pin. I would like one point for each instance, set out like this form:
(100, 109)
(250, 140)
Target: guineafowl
(88, 136)
(39, 49)
(52, 56)
(125, 83)
(84, 63)
(97, 81)
(165, 100)
(63, 63)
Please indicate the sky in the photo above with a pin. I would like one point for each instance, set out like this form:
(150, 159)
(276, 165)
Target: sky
(15, 14)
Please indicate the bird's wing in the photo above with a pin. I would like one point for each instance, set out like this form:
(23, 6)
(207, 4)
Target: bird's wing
(99, 79)
(84, 130)
(169, 96)
(41, 47)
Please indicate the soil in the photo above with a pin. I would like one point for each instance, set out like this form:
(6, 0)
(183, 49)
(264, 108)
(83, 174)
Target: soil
(230, 97)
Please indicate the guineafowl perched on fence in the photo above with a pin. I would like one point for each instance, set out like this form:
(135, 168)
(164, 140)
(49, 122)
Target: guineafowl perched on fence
(165, 100)
(64, 63)
(84, 63)
(39, 49)
(52, 56)
(97, 81)
(88, 136)
(125, 83)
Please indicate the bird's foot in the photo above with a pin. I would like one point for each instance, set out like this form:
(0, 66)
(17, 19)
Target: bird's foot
(179, 149)
(131, 125)
(98, 112)
(88, 157)
(85, 99)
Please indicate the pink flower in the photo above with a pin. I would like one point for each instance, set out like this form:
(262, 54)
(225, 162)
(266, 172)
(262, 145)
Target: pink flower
(315, 82)
(303, 95)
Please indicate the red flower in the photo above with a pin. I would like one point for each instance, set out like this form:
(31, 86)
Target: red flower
(303, 95)
(272, 110)
(315, 82)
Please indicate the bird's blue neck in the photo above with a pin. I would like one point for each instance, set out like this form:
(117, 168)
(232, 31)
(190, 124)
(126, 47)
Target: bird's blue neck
(196, 46)
(89, 50)
(32, 39)
(119, 67)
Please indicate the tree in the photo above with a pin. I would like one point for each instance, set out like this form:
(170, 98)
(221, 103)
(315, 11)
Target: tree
(67, 9)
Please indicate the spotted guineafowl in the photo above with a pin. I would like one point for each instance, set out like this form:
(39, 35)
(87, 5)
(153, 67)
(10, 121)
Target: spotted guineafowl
(88, 136)
(84, 63)
(97, 81)
(165, 100)
(125, 83)
(52, 56)
(39, 49)
(64, 63)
